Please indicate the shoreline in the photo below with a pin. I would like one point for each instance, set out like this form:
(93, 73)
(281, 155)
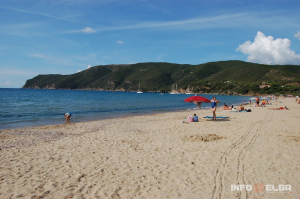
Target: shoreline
(104, 117)
(55, 117)
(20, 125)
(95, 119)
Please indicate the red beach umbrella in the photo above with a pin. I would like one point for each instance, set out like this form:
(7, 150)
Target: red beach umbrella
(197, 98)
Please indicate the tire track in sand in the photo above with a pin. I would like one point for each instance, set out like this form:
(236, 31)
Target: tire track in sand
(242, 155)
(244, 142)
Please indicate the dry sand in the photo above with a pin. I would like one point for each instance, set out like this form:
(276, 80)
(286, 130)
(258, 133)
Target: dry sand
(156, 156)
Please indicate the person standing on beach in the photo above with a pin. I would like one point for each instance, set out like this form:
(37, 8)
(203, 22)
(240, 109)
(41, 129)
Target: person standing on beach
(198, 104)
(257, 101)
(214, 103)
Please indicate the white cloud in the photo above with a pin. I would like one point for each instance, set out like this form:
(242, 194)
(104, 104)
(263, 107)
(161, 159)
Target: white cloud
(297, 35)
(89, 66)
(120, 42)
(267, 50)
(37, 55)
(88, 30)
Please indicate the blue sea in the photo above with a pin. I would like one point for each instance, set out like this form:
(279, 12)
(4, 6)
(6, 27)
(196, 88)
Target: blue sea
(34, 107)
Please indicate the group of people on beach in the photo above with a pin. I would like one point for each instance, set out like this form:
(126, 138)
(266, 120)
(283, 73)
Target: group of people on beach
(214, 102)
(263, 102)
(193, 118)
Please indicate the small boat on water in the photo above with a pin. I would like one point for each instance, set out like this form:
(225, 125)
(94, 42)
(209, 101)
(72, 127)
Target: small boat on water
(188, 91)
(139, 91)
(174, 91)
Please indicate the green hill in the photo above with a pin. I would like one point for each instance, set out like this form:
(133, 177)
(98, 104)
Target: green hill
(225, 77)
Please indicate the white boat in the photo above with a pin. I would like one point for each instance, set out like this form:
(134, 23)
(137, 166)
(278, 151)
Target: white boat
(188, 91)
(139, 91)
(174, 91)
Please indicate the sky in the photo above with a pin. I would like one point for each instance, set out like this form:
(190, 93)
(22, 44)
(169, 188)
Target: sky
(68, 36)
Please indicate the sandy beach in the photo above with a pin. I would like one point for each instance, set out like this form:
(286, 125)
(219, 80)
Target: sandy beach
(157, 156)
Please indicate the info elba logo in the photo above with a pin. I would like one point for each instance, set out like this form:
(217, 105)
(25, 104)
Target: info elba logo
(260, 187)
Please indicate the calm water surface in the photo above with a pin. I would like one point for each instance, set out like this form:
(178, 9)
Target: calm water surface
(30, 107)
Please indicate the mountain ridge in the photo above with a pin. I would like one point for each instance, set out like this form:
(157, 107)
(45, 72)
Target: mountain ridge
(225, 77)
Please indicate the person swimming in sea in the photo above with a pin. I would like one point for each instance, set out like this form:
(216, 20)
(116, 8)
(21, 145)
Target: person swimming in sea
(214, 103)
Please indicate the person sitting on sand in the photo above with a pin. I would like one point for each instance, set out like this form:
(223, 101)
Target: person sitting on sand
(225, 107)
(233, 108)
(228, 108)
(68, 116)
(195, 118)
(241, 108)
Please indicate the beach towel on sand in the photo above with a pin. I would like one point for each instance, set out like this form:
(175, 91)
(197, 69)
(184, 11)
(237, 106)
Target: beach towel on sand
(219, 117)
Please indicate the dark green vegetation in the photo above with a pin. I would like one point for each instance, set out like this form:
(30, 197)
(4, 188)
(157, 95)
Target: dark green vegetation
(224, 77)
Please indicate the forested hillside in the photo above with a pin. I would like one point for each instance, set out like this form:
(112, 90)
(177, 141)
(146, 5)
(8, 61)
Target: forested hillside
(224, 77)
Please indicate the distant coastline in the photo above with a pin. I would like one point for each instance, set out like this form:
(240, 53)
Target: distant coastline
(87, 89)
(223, 77)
